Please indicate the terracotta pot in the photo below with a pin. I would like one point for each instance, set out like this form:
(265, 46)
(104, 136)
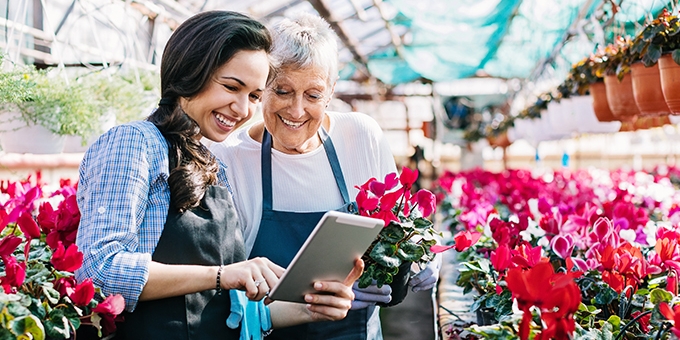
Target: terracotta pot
(643, 123)
(647, 90)
(670, 82)
(499, 140)
(627, 126)
(620, 97)
(600, 104)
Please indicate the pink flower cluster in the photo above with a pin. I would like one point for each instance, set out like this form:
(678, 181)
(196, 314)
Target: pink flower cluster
(623, 224)
(58, 228)
(386, 200)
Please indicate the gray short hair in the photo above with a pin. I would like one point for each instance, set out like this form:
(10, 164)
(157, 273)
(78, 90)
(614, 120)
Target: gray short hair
(305, 40)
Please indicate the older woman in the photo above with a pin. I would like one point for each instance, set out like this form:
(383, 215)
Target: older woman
(302, 161)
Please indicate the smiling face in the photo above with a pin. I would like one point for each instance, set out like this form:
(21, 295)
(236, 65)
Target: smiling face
(231, 95)
(294, 108)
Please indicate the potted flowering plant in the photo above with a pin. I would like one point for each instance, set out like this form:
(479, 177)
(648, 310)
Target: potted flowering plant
(408, 236)
(40, 298)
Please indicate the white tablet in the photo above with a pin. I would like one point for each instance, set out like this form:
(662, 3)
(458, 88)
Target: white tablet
(328, 254)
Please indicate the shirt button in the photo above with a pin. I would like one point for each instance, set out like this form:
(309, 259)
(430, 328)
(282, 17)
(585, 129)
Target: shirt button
(101, 210)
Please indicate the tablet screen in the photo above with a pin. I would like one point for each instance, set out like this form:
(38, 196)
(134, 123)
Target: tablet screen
(328, 254)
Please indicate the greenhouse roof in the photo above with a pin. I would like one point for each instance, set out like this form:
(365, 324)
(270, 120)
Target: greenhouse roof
(399, 41)
(383, 41)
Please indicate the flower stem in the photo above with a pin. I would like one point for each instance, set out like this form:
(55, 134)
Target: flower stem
(635, 319)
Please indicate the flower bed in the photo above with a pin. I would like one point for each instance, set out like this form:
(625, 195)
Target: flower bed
(588, 254)
(40, 298)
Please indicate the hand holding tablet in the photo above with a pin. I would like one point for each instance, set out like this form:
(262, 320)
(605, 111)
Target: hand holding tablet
(327, 255)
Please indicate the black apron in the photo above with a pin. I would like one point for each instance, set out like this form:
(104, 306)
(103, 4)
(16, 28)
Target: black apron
(281, 235)
(210, 235)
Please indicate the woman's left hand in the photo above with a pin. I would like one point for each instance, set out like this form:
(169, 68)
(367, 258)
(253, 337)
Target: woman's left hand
(333, 306)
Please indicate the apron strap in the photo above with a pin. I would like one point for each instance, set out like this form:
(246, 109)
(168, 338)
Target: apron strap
(266, 159)
(266, 155)
(335, 164)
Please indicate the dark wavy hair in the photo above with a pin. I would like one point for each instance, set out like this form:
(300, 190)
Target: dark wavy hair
(198, 47)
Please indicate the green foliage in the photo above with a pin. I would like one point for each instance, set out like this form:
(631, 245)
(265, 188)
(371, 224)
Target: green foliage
(407, 241)
(658, 37)
(69, 105)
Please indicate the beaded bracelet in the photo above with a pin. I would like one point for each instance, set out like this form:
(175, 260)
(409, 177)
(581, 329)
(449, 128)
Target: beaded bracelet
(217, 284)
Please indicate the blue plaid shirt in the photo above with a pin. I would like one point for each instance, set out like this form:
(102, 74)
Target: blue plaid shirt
(123, 196)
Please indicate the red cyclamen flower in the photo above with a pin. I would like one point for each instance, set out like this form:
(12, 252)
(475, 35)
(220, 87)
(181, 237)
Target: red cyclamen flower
(82, 293)
(68, 259)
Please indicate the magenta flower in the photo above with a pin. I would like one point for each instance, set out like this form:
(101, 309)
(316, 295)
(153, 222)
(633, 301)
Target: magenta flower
(67, 259)
(563, 245)
(408, 177)
(28, 226)
(426, 202)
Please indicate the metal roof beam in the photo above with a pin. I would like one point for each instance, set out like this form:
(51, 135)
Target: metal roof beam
(277, 11)
(340, 30)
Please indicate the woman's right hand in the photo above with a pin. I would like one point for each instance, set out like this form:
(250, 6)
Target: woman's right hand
(337, 298)
(256, 277)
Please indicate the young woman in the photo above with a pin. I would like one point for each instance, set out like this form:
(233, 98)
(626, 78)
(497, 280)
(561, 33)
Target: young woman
(158, 224)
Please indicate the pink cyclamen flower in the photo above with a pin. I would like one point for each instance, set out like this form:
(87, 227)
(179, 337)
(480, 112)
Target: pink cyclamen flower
(466, 239)
(426, 202)
(108, 309)
(563, 245)
(408, 177)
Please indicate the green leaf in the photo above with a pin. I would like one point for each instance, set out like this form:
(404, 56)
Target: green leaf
(392, 233)
(485, 265)
(652, 56)
(605, 296)
(660, 295)
(57, 325)
(366, 277)
(5, 334)
(409, 251)
(37, 309)
(384, 254)
(29, 324)
(479, 303)
(51, 294)
(615, 321)
(422, 224)
(676, 56)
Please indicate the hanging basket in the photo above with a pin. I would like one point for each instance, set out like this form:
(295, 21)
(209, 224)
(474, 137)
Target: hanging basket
(669, 73)
(620, 97)
(560, 117)
(588, 122)
(600, 103)
(647, 90)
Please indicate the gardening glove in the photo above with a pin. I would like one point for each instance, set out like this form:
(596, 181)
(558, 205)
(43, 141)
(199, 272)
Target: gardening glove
(427, 277)
(369, 296)
(253, 316)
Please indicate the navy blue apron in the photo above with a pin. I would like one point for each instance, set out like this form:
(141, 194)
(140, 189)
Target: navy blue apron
(209, 235)
(281, 235)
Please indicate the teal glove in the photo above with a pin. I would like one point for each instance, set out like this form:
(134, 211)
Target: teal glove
(257, 318)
